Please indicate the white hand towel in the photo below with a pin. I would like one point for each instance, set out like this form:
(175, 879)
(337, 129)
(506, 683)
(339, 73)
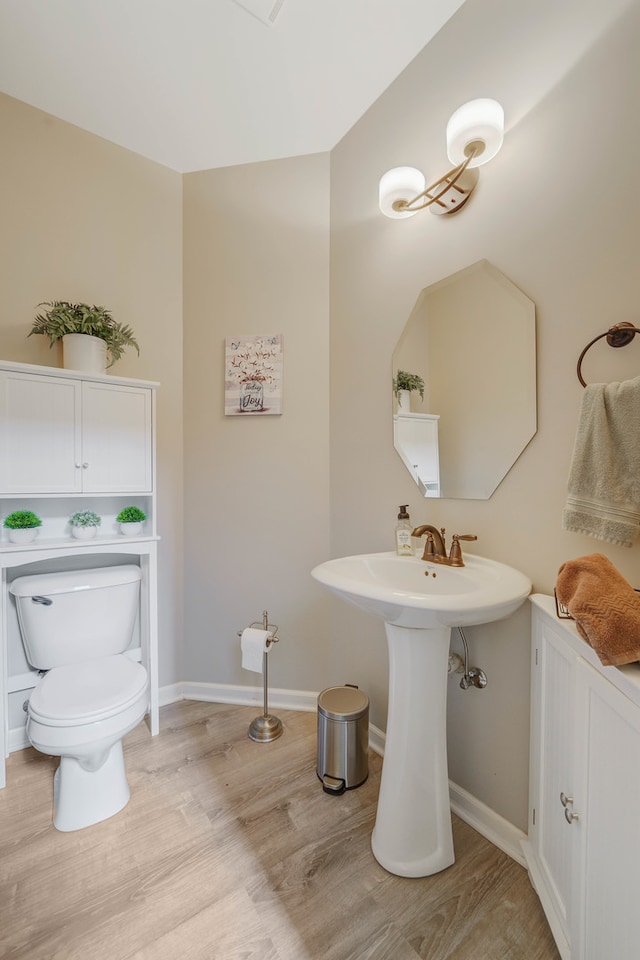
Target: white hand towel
(604, 482)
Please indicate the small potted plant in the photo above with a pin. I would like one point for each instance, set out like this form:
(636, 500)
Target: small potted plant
(84, 524)
(131, 520)
(22, 526)
(89, 334)
(404, 384)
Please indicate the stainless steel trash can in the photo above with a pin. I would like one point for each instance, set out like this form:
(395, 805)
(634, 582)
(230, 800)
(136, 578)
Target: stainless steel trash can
(343, 738)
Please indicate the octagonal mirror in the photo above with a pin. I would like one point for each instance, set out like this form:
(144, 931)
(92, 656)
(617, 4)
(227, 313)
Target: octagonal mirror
(470, 341)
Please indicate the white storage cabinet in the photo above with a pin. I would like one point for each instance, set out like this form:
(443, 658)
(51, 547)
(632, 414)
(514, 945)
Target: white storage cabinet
(73, 441)
(62, 435)
(583, 848)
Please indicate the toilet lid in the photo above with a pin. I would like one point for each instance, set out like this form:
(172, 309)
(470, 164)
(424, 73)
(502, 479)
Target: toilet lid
(87, 692)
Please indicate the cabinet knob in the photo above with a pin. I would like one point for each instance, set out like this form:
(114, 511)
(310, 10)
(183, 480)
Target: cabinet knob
(567, 803)
(85, 465)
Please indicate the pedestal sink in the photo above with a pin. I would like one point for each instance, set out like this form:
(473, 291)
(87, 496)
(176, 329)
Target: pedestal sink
(419, 602)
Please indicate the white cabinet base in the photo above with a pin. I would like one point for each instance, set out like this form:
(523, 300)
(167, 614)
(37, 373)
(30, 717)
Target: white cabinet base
(583, 849)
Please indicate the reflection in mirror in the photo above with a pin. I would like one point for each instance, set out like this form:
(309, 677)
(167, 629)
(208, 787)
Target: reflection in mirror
(471, 338)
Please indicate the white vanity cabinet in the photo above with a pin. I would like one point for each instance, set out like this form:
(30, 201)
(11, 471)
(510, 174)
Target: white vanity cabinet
(583, 848)
(73, 441)
(64, 434)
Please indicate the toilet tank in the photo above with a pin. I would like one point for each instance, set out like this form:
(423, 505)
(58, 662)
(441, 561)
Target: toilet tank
(77, 615)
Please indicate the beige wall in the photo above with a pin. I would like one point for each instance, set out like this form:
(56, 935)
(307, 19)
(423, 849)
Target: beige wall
(256, 255)
(555, 212)
(84, 220)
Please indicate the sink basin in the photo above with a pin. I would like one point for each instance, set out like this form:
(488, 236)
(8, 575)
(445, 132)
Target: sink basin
(420, 602)
(410, 592)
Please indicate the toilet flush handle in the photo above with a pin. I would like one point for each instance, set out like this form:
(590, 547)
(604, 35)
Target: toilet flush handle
(45, 601)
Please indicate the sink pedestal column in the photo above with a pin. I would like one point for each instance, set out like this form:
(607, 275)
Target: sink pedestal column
(412, 835)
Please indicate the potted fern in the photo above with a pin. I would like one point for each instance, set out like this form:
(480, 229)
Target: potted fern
(131, 520)
(91, 339)
(84, 524)
(22, 526)
(404, 384)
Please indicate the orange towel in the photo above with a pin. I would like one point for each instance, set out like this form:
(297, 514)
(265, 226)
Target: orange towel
(604, 605)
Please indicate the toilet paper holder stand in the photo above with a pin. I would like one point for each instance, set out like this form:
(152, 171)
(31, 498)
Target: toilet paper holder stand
(265, 727)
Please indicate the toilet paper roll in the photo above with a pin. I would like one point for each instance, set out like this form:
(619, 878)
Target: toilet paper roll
(253, 643)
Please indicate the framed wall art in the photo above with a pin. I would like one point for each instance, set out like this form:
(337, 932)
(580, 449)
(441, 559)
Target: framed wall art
(253, 375)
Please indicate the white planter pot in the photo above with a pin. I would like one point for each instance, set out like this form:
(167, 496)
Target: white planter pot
(404, 401)
(24, 535)
(83, 533)
(131, 529)
(82, 352)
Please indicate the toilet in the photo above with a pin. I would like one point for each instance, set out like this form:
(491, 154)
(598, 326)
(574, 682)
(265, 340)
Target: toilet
(76, 626)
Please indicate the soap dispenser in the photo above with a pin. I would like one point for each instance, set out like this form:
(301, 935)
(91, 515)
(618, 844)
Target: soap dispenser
(404, 547)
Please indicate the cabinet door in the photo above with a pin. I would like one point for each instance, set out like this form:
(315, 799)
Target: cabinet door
(607, 801)
(116, 438)
(550, 836)
(39, 434)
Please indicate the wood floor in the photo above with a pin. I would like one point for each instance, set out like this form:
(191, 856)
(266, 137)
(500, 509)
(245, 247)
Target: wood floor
(230, 850)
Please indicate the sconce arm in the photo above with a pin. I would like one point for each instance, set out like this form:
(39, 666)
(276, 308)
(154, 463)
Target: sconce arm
(445, 183)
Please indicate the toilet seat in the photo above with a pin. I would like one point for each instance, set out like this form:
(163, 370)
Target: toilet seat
(88, 692)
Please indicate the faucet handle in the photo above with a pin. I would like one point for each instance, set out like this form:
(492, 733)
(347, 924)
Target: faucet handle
(455, 555)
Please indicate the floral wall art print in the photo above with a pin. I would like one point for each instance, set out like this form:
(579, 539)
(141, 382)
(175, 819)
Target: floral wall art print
(253, 375)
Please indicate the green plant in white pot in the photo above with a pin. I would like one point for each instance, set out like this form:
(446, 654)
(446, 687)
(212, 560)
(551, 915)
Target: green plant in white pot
(84, 524)
(404, 384)
(22, 526)
(131, 520)
(92, 340)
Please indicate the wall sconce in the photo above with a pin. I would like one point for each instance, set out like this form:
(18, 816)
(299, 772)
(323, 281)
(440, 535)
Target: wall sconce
(474, 136)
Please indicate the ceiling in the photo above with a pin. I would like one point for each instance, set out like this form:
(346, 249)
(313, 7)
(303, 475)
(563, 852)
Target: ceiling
(198, 84)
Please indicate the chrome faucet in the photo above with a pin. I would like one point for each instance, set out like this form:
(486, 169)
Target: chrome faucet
(435, 548)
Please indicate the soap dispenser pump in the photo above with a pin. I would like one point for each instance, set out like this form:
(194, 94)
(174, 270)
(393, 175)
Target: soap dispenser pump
(403, 533)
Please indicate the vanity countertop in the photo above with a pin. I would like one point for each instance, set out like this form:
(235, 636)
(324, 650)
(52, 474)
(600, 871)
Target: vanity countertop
(625, 678)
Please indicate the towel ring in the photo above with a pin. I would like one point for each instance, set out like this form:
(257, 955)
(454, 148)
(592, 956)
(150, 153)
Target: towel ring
(617, 336)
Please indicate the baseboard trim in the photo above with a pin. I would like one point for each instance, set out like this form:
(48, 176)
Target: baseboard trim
(18, 739)
(279, 698)
(171, 693)
(487, 822)
(376, 740)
